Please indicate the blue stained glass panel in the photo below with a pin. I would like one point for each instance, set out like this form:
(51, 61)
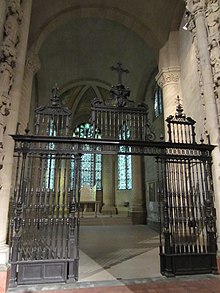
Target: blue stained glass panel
(124, 162)
(90, 163)
(51, 162)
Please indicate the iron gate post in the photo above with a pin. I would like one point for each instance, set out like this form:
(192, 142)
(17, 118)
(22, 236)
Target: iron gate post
(168, 272)
(73, 266)
(15, 245)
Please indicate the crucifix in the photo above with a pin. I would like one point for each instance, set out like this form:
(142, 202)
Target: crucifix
(120, 71)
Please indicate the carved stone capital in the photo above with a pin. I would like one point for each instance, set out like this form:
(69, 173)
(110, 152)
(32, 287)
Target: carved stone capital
(32, 62)
(167, 76)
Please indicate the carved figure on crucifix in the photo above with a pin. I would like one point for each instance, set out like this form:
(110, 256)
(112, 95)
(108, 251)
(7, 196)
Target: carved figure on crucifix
(55, 96)
(118, 92)
(120, 71)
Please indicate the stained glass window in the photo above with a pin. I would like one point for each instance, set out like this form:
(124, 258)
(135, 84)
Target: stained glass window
(158, 101)
(91, 164)
(124, 162)
(51, 161)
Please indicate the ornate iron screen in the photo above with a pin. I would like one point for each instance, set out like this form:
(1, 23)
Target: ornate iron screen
(118, 112)
(44, 222)
(44, 225)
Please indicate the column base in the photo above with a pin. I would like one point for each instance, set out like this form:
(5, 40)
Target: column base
(4, 278)
(109, 210)
(138, 217)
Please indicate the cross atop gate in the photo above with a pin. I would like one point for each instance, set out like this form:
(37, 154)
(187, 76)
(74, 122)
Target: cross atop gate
(120, 71)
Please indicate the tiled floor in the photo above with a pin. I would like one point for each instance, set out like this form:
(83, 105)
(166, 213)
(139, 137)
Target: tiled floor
(124, 258)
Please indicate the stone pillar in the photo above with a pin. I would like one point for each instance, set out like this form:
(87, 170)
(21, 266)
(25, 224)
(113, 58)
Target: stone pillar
(2, 18)
(8, 55)
(108, 185)
(203, 30)
(31, 68)
(138, 208)
(12, 90)
(168, 79)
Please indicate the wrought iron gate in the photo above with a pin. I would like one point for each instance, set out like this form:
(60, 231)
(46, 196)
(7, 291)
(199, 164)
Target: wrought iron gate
(44, 226)
(188, 217)
(45, 221)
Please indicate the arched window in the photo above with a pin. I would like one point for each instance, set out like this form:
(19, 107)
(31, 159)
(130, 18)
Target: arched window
(158, 101)
(51, 161)
(124, 162)
(91, 164)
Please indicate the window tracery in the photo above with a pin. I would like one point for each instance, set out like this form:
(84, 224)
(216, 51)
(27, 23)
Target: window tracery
(125, 162)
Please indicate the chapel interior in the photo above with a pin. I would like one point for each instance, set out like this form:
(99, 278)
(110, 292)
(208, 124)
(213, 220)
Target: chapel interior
(70, 53)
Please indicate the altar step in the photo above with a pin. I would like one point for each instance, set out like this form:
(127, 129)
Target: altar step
(105, 221)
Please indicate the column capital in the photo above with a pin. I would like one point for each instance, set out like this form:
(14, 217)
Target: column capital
(32, 62)
(167, 76)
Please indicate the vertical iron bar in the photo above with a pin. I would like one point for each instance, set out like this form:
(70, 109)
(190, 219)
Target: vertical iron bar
(73, 234)
(16, 247)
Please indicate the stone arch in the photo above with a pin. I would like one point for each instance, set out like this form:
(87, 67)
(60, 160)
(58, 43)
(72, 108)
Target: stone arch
(84, 86)
(109, 13)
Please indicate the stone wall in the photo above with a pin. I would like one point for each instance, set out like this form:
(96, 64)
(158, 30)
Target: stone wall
(190, 79)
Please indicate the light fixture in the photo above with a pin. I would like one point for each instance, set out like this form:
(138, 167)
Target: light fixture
(185, 26)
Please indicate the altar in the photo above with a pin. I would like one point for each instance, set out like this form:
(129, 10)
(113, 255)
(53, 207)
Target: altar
(88, 200)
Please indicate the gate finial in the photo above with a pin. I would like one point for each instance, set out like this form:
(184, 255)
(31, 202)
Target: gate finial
(181, 129)
(179, 109)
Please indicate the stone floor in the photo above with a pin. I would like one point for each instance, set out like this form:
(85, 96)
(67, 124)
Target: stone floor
(187, 284)
(123, 258)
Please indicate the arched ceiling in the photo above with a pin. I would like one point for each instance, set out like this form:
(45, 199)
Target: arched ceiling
(78, 41)
(151, 18)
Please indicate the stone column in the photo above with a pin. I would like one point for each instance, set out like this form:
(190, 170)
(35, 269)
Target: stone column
(108, 185)
(2, 18)
(168, 79)
(13, 93)
(212, 16)
(202, 33)
(8, 55)
(31, 68)
(138, 208)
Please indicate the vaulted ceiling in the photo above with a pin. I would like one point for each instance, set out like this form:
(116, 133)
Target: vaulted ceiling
(79, 40)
